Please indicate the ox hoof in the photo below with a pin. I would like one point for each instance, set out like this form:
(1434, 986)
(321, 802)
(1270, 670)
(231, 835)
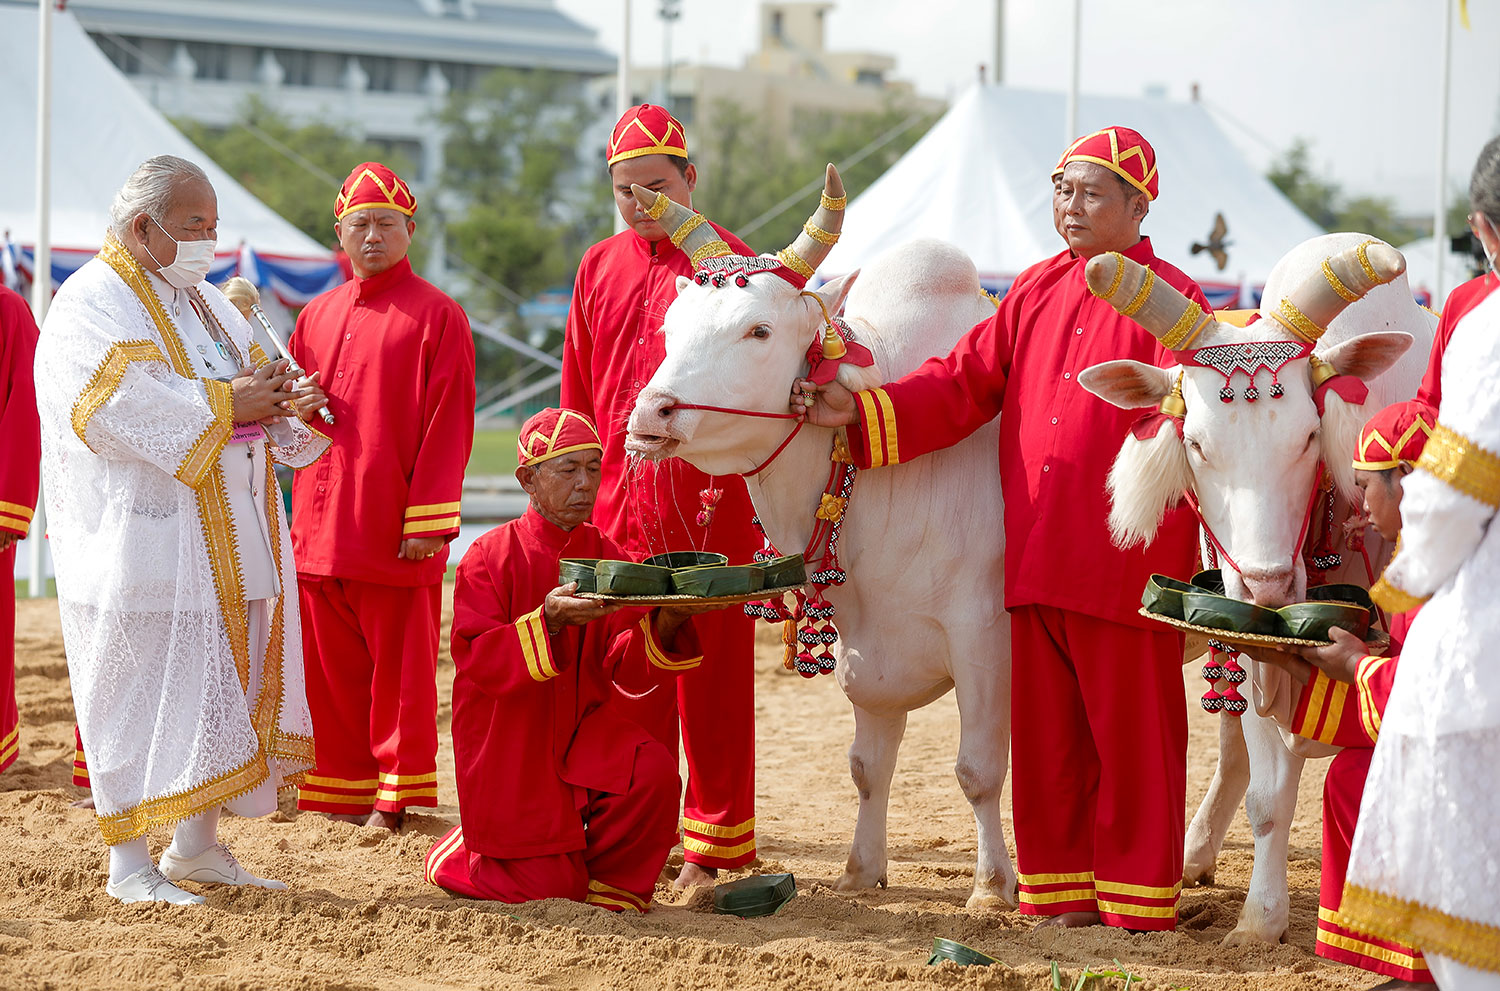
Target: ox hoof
(858, 882)
(992, 899)
(1244, 936)
(1194, 874)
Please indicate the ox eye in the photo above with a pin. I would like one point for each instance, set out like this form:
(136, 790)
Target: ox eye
(760, 332)
(1195, 447)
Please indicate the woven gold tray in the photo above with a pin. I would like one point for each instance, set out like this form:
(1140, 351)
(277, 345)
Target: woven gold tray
(1378, 639)
(677, 599)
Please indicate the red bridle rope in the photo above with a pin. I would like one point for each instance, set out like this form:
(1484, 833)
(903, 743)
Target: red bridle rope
(750, 412)
(1216, 546)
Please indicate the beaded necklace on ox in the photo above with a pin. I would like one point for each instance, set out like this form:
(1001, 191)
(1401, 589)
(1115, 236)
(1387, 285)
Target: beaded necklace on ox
(810, 609)
(1319, 556)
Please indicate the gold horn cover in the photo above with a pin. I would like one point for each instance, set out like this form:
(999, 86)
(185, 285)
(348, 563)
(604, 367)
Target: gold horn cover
(1135, 291)
(1308, 309)
(688, 229)
(821, 232)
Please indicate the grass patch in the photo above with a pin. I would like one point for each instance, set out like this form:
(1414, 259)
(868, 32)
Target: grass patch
(494, 452)
(23, 588)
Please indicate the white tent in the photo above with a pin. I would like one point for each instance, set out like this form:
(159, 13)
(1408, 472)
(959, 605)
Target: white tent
(981, 178)
(101, 130)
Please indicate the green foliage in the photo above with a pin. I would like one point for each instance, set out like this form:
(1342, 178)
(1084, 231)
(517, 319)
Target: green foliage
(1326, 204)
(494, 453)
(745, 170)
(300, 191)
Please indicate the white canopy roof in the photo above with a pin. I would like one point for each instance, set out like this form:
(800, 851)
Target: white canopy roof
(981, 179)
(101, 130)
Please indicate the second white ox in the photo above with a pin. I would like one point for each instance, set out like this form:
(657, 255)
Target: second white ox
(922, 610)
(1252, 465)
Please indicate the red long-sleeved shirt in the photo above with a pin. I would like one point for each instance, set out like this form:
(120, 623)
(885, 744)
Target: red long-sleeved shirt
(1461, 300)
(21, 463)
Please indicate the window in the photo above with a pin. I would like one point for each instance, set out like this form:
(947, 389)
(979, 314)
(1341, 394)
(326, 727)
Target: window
(298, 66)
(212, 59)
(120, 51)
(382, 72)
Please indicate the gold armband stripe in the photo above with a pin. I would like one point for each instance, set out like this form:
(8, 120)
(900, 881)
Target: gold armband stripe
(1186, 329)
(432, 509)
(834, 203)
(536, 648)
(795, 262)
(1299, 323)
(1337, 284)
(1362, 253)
(819, 234)
(655, 210)
(1141, 295)
(1462, 464)
(687, 227)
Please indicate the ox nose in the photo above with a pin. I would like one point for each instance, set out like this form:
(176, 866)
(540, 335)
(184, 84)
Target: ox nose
(1270, 588)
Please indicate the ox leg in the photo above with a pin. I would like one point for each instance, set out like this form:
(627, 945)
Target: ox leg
(1270, 802)
(872, 762)
(1205, 834)
(984, 740)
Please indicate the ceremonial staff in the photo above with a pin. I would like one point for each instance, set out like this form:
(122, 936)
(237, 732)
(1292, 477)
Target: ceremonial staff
(275, 336)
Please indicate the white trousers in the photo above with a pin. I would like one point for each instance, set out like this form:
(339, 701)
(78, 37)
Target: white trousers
(1454, 976)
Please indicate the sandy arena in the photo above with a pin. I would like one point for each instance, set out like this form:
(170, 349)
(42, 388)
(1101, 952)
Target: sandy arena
(359, 915)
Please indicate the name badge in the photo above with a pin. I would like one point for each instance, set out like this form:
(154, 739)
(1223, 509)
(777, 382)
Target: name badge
(246, 433)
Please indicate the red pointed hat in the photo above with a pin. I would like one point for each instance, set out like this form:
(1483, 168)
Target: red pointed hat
(1119, 149)
(1394, 436)
(646, 130)
(373, 186)
(553, 433)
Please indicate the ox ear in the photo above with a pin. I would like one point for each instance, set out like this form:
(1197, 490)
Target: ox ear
(682, 283)
(1128, 384)
(834, 292)
(1368, 355)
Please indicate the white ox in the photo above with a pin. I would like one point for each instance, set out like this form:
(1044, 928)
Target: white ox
(922, 610)
(1252, 467)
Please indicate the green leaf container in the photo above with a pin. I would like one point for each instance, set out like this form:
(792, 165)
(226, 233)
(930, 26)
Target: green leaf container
(1219, 612)
(952, 949)
(686, 559)
(780, 572)
(1311, 620)
(752, 897)
(1163, 595)
(580, 570)
(715, 580)
(629, 578)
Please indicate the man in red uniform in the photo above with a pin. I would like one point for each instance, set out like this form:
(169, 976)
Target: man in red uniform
(1099, 723)
(372, 519)
(19, 466)
(614, 344)
(559, 794)
(1345, 697)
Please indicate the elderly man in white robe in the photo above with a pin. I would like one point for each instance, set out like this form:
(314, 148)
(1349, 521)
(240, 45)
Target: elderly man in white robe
(175, 580)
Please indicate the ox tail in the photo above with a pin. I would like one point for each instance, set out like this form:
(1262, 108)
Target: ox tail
(1147, 478)
(1342, 422)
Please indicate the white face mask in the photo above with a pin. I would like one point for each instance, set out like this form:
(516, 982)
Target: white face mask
(194, 259)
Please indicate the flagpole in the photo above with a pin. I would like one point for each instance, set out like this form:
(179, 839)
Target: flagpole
(1072, 122)
(41, 269)
(1440, 206)
(622, 85)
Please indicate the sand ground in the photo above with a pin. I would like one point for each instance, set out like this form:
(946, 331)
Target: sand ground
(358, 914)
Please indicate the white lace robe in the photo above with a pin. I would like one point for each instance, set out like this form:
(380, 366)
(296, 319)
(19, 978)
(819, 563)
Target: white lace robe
(1425, 865)
(188, 696)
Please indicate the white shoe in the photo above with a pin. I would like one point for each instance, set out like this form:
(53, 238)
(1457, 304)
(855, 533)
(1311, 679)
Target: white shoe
(216, 865)
(148, 885)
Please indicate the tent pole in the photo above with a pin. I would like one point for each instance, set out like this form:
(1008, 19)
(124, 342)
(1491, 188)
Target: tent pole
(1072, 121)
(622, 84)
(1440, 204)
(999, 42)
(41, 269)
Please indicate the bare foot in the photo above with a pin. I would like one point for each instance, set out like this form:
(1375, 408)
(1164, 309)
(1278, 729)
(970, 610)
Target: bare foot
(353, 818)
(692, 874)
(1070, 920)
(86, 802)
(389, 820)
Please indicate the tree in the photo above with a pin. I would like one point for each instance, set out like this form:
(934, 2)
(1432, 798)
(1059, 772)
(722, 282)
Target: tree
(1326, 205)
(294, 170)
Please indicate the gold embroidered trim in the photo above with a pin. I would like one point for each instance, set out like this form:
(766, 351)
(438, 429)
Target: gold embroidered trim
(820, 235)
(655, 210)
(219, 541)
(1362, 254)
(258, 355)
(722, 832)
(1392, 599)
(1186, 329)
(1475, 944)
(1337, 284)
(834, 203)
(1461, 463)
(1141, 295)
(716, 248)
(130, 271)
(692, 223)
(136, 821)
(795, 262)
(106, 379)
(204, 453)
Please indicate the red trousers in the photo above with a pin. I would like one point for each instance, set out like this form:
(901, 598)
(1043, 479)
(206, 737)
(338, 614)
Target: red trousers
(626, 846)
(1098, 767)
(370, 652)
(80, 765)
(10, 723)
(1342, 790)
(715, 704)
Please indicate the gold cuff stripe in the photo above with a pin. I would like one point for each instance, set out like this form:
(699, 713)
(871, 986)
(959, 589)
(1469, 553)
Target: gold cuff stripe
(16, 523)
(430, 526)
(795, 262)
(1138, 911)
(1337, 284)
(17, 509)
(386, 795)
(1141, 295)
(868, 414)
(312, 794)
(1409, 957)
(834, 203)
(1137, 890)
(1053, 897)
(658, 657)
(204, 454)
(315, 780)
(1393, 599)
(1081, 877)
(892, 455)
(1476, 944)
(1186, 329)
(716, 248)
(1369, 711)
(657, 209)
(722, 832)
(1335, 712)
(432, 509)
(440, 853)
(536, 648)
(594, 898)
(106, 379)
(395, 780)
(820, 235)
(716, 849)
(692, 223)
(1308, 728)
(1463, 464)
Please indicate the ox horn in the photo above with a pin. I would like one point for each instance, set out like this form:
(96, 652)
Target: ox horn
(1308, 309)
(688, 229)
(821, 232)
(1136, 292)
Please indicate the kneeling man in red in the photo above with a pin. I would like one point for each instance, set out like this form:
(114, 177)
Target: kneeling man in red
(560, 796)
